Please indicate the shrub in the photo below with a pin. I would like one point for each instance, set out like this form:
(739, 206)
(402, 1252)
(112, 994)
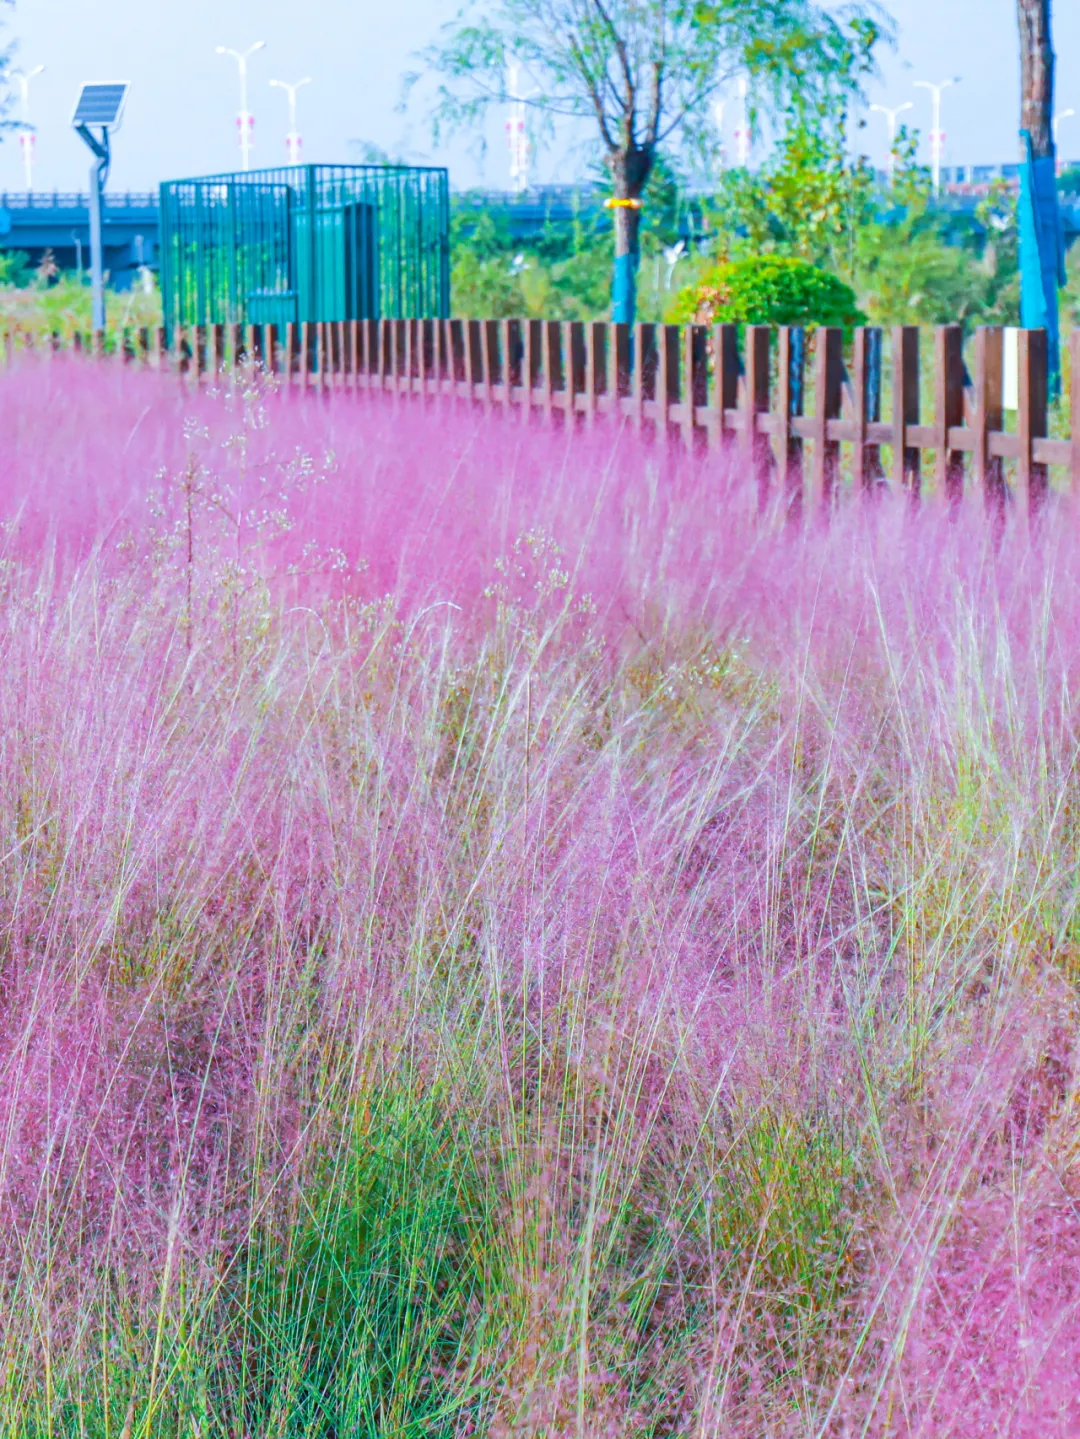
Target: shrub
(767, 290)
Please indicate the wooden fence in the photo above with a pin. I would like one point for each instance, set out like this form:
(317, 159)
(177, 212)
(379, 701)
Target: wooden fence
(767, 396)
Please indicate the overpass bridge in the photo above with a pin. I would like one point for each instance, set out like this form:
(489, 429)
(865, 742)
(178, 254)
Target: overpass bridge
(59, 221)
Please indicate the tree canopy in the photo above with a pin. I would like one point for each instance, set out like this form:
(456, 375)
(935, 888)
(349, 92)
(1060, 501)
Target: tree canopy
(643, 71)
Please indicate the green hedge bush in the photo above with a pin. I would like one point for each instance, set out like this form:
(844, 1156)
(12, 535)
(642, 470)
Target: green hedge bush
(767, 290)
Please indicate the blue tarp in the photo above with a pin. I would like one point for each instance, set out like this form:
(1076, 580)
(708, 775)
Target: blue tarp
(1042, 252)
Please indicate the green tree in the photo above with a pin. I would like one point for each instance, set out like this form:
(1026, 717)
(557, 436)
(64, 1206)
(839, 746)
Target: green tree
(915, 263)
(642, 72)
(809, 200)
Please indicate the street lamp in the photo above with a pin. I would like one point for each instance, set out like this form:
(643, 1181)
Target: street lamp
(890, 120)
(517, 134)
(937, 135)
(719, 106)
(292, 139)
(245, 120)
(26, 136)
(1061, 115)
(742, 134)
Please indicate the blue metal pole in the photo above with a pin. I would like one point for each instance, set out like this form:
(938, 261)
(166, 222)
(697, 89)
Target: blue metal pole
(624, 289)
(1042, 252)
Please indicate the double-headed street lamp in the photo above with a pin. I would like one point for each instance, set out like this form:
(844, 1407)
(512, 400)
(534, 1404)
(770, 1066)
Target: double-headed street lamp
(292, 139)
(245, 120)
(890, 114)
(937, 135)
(22, 78)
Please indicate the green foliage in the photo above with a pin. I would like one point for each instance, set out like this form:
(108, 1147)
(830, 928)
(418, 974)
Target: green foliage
(362, 1326)
(768, 290)
(1069, 184)
(908, 259)
(484, 281)
(43, 303)
(642, 72)
(808, 200)
(917, 263)
(14, 269)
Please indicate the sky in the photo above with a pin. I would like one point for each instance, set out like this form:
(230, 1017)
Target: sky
(180, 117)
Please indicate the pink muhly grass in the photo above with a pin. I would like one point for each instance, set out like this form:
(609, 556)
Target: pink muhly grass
(497, 877)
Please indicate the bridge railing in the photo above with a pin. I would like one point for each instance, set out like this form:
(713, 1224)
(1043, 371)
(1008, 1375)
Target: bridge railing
(74, 200)
(796, 406)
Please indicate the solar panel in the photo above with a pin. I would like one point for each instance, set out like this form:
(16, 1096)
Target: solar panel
(100, 105)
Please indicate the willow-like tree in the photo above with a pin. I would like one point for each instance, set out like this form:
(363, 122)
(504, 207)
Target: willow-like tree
(643, 73)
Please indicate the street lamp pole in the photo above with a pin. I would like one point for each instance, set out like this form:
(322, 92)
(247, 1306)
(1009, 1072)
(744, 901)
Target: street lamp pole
(719, 106)
(292, 139)
(244, 120)
(937, 137)
(1056, 123)
(890, 120)
(26, 136)
(742, 134)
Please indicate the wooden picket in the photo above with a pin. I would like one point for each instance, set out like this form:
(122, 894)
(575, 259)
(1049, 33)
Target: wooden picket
(767, 397)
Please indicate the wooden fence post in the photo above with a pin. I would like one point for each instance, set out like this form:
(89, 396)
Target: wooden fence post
(291, 341)
(790, 378)
(866, 397)
(595, 367)
(646, 363)
(533, 367)
(948, 411)
(353, 342)
(548, 362)
(620, 368)
(309, 354)
(907, 461)
(725, 395)
(696, 372)
(218, 334)
(576, 365)
(1032, 417)
(567, 358)
(755, 399)
(668, 386)
(396, 366)
(385, 359)
(988, 416)
(487, 352)
(407, 355)
(458, 356)
(477, 378)
(507, 361)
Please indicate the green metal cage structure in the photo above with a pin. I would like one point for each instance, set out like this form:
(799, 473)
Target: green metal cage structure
(306, 243)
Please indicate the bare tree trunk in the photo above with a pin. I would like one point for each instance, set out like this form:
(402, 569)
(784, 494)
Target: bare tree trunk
(1036, 75)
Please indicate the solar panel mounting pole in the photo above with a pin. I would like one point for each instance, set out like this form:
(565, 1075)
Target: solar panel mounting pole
(99, 106)
(99, 174)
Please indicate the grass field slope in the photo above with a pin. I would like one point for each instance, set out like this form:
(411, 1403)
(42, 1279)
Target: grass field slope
(500, 938)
